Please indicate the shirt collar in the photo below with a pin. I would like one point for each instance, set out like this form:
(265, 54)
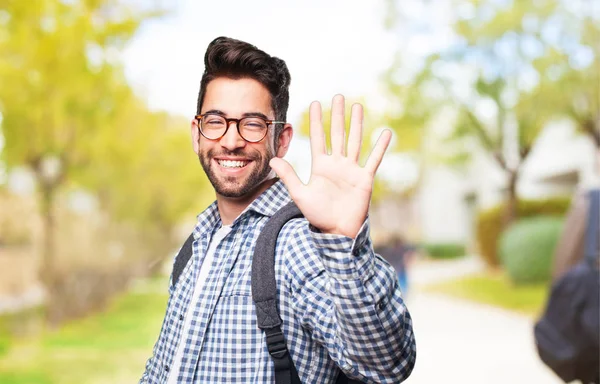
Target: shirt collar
(270, 201)
(266, 204)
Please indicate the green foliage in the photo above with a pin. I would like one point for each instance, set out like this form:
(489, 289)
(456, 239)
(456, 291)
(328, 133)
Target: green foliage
(510, 69)
(18, 324)
(527, 249)
(444, 250)
(489, 224)
(64, 97)
(5, 338)
(148, 174)
(60, 83)
(497, 290)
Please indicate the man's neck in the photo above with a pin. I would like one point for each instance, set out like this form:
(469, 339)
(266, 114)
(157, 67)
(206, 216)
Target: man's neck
(230, 208)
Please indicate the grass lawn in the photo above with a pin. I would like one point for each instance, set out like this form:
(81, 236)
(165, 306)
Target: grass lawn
(496, 289)
(109, 347)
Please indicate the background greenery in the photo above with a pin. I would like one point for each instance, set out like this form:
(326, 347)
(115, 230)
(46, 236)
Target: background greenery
(109, 347)
(69, 118)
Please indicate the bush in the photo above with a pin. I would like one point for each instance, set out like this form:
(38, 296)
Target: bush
(19, 324)
(444, 250)
(527, 247)
(489, 224)
(80, 290)
(5, 339)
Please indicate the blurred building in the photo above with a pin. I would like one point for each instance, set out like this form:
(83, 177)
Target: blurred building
(443, 209)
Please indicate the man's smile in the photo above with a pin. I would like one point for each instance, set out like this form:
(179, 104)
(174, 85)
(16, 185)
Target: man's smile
(233, 163)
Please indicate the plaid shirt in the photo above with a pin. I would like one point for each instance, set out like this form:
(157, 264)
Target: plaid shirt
(339, 302)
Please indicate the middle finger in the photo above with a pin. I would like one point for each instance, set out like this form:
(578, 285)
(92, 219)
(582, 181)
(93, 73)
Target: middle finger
(337, 125)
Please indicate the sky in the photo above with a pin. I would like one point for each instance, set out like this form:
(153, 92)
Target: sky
(329, 46)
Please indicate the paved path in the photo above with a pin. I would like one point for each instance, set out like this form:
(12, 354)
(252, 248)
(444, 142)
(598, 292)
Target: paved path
(463, 342)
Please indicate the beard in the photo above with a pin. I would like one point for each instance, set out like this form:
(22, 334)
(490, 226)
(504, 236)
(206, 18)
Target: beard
(234, 187)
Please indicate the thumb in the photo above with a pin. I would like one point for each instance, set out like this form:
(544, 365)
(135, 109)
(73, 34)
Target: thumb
(288, 175)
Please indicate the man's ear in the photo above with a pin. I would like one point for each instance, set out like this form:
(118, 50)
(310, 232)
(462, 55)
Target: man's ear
(195, 131)
(284, 139)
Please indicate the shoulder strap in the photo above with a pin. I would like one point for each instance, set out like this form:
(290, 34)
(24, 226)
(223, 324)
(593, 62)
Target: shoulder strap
(592, 234)
(264, 294)
(184, 255)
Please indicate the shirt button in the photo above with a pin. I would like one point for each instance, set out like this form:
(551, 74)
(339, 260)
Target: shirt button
(167, 368)
(181, 317)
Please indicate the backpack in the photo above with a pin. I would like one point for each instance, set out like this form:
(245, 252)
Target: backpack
(567, 334)
(264, 293)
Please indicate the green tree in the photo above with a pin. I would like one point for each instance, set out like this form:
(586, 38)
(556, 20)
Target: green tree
(148, 175)
(61, 84)
(526, 63)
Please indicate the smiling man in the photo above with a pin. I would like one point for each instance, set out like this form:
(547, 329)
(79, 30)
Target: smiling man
(341, 309)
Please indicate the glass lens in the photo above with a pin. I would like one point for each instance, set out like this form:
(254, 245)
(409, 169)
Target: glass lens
(253, 128)
(213, 126)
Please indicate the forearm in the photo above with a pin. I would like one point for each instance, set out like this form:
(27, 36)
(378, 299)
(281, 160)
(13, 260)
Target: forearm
(354, 308)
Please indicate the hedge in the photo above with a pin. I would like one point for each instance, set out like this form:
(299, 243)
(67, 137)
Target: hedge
(527, 248)
(444, 250)
(489, 223)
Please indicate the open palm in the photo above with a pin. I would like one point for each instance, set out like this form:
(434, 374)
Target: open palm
(337, 196)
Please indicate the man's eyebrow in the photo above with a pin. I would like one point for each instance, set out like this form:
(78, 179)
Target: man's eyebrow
(216, 112)
(255, 114)
(247, 114)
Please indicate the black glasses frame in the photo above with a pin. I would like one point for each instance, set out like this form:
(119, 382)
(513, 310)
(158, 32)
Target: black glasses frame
(228, 122)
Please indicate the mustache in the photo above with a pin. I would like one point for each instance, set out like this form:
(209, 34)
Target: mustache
(235, 153)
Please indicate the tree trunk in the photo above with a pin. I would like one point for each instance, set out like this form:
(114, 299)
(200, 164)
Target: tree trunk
(593, 129)
(48, 263)
(511, 210)
(48, 271)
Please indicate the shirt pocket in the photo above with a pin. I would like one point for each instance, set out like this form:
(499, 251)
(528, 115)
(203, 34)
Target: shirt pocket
(238, 284)
(239, 278)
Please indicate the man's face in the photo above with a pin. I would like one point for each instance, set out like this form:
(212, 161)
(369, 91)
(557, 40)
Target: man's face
(234, 166)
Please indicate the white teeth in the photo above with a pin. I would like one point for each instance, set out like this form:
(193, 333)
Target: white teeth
(232, 164)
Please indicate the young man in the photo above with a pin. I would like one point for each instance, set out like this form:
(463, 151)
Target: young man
(339, 302)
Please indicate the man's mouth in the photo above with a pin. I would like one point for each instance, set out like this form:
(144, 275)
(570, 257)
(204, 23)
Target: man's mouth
(233, 163)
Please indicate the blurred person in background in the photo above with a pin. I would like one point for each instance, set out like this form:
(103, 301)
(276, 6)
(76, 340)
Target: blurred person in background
(400, 255)
(570, 248)
(339, 302)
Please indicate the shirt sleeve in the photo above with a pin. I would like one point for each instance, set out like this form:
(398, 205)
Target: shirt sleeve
(348, 298)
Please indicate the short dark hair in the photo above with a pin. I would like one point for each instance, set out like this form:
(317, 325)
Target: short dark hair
(235, 59)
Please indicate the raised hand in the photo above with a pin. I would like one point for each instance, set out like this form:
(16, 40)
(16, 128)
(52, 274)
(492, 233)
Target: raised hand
(337, 196)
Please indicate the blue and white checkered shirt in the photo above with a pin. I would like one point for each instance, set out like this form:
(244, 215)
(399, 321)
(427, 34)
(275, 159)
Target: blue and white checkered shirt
(339, 302)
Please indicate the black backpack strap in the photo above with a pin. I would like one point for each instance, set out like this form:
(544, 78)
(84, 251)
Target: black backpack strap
(264, 294)
(592, 237)
(184, 255)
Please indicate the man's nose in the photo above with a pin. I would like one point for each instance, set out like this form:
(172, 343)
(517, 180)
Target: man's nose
(232, 139)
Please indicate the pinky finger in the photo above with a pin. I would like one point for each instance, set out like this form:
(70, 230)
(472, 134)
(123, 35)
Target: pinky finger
(376, 155)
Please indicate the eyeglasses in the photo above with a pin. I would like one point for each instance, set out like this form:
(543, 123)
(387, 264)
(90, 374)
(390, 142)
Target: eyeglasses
(251, 129)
